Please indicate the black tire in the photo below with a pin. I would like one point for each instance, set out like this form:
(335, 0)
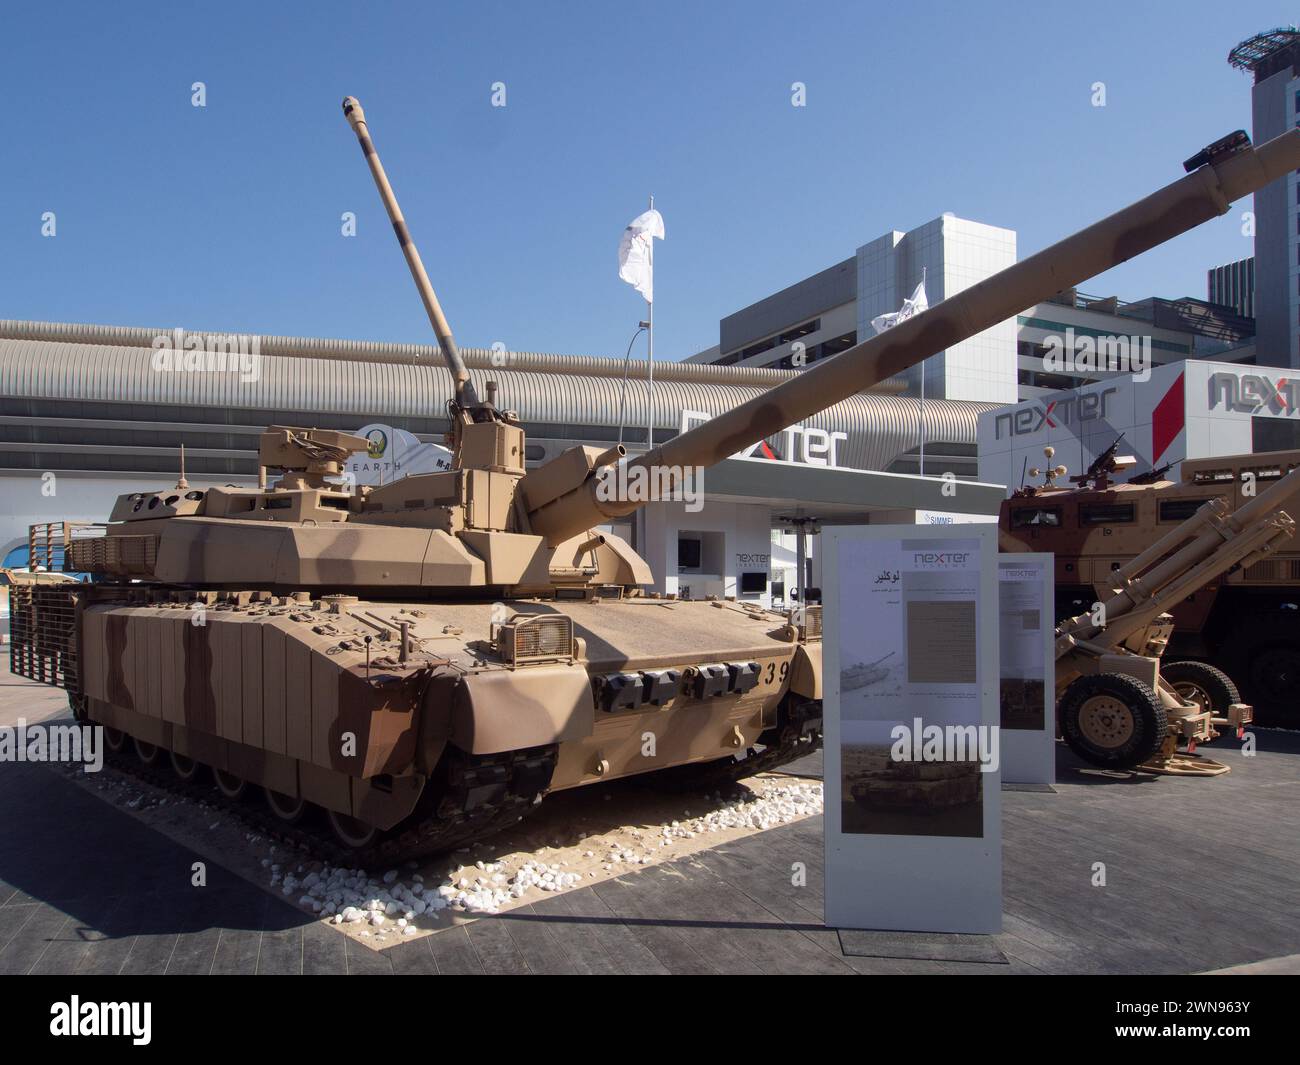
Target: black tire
(1124, 725)
(1202, 683)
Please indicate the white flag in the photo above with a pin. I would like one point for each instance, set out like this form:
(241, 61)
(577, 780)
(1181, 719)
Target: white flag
(635, 254)
(911, 308)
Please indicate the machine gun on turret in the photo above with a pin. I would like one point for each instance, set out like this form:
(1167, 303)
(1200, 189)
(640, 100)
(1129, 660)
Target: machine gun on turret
(1152, 476)
(1097, 475)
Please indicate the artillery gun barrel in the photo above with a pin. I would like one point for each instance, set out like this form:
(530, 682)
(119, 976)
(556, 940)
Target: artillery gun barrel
(465, 394)
(1204, 194)
(1189, 556)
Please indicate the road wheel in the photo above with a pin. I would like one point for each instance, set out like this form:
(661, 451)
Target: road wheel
(114, 739)
(1112, 720)
(353, 834)
(231, 786)
(1203, 684)
(185, 768)
(146, 752)
(287, 808)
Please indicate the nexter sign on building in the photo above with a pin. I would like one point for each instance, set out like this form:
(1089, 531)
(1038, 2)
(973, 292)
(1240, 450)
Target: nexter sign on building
(1192, 409)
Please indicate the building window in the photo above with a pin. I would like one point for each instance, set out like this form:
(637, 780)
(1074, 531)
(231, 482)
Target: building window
(781, 338)
(823, 350)
(803, 330)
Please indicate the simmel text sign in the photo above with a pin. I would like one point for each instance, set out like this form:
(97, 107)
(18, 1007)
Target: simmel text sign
(1027, 664)
(913, 790)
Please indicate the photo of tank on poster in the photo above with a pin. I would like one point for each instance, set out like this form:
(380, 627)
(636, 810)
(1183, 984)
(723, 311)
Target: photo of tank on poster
(909, 688)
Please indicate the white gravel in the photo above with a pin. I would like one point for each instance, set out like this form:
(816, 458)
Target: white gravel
(352, 896)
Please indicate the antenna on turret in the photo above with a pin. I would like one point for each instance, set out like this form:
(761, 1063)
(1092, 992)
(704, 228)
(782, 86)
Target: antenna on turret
(182, 483)
(466, 400)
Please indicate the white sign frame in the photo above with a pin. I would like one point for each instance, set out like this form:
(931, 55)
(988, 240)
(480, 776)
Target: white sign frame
(891, 881)
(1029, 755)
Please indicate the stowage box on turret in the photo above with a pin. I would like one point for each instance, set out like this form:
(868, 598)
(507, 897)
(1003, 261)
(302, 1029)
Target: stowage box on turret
(423, 661)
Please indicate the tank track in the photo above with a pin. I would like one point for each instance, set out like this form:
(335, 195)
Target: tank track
(798, 735)
(469, 798)
(472, 797)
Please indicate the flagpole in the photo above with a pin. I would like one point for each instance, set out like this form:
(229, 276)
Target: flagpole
(650, 345)
(920, 414)
(920, 422)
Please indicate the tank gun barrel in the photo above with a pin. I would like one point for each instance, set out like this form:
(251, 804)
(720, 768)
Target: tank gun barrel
(1182, 205)
(465, 394)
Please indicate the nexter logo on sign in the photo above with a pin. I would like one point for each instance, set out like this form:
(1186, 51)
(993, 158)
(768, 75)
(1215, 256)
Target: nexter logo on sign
(1068, 410)
(797, 443)
(1254, 393)
(941, 559)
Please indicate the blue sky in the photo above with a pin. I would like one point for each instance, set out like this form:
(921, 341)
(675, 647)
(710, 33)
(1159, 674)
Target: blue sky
(228, 216)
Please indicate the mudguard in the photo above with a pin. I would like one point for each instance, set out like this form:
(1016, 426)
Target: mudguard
(510, 709)
(806, 671)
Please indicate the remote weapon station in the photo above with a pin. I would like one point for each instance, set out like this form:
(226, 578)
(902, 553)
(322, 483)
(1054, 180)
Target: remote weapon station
(421, 662)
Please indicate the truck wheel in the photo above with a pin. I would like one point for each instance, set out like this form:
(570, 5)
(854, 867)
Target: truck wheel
(1201, 683)
(1112, 720)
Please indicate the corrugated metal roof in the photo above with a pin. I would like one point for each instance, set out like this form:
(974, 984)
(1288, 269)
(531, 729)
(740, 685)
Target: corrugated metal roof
(879, 427)
(407, 354)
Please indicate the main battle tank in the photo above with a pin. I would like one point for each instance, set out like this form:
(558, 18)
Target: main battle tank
(423, 661)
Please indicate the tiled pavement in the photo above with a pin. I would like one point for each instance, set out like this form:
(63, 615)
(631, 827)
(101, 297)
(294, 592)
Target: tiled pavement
(1201, 875)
